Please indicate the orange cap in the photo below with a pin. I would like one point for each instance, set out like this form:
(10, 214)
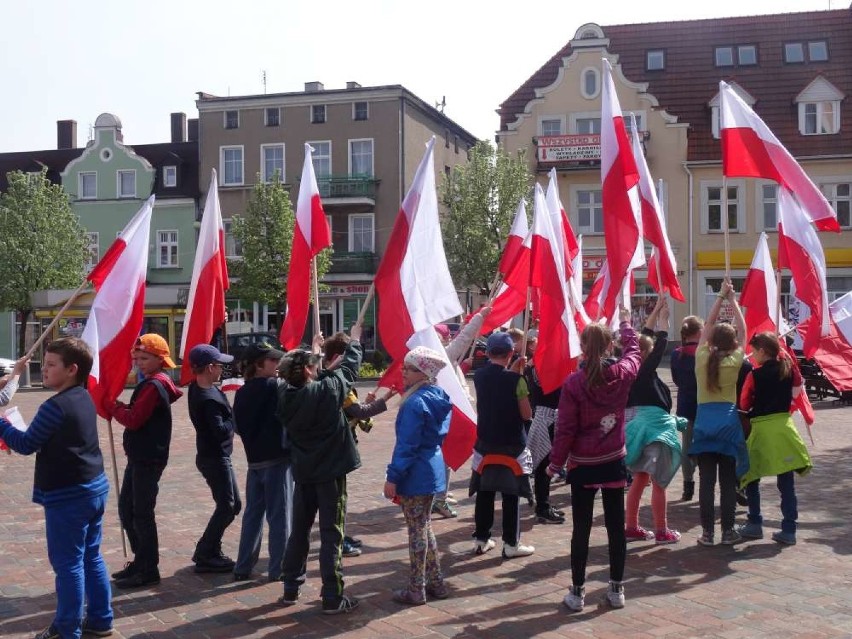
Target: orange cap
(156, 345)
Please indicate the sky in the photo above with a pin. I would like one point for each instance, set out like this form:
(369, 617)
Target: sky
(144, 60)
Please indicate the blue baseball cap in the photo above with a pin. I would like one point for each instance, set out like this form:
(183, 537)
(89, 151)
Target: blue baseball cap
(499, 344)
(206, 354)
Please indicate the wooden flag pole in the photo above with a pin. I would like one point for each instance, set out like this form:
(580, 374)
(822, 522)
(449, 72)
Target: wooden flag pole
(778, 301)
(315, 289)
(366, 304)
(115, 477)
(62, 310)
(725, 226)
(527, 314)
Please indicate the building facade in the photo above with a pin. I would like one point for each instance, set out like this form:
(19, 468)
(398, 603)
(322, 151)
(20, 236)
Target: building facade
(367, 144)
(793, 69)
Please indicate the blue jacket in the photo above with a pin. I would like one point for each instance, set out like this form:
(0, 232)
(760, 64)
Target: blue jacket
(417, 465)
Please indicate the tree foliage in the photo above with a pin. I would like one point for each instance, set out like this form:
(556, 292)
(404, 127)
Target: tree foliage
(42, 243)
(265, 234)
(480, 199)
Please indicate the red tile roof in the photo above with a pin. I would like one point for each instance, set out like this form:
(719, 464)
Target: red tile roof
(691, 79)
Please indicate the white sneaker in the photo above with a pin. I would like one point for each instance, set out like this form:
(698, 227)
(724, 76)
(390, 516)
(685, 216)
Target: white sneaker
(481, 547)
(575, 599)
(517, 551)
(615, 594)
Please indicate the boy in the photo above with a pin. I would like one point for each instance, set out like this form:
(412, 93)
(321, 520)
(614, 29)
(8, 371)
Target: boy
(147, 435)
(213, 420)
(71, 485)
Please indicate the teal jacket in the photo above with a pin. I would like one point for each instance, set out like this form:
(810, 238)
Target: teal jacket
(653, 424)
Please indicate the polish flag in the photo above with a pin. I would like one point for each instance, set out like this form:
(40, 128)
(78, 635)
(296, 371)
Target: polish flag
(654, 228)
(568, 246)
(115, 319)
(834, 351)
(514, 243)
(512, 295)
(205, 306)
(416, 292)
(310, 236)
(622, 209)
(750, 149)
(559, 341)
(596, 295)
(760, 293)
(575, 288)
(799, 250)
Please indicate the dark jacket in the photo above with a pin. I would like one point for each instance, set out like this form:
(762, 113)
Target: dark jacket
(213, 420)
(256, 421)
(499, 426)
(683, 375)
(649, 389)
(322, 447)
(151, 442)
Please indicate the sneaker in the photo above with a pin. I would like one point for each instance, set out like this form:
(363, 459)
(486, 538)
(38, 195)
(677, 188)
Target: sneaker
(140, 579)
(667, 536)
(706, 538)
(785, 538)
(124, 573)
(95, 632)
(217, 563)
(615, 594)
(352, 541)
(451, 499)
(481, 547)
(510, 552)
(561, 513)
(442, 508)
(575, 599)
(290, 597)
(438, 591)
(637, 533)
(550, 517)
(731, 537)
(751, 530)
(409, 597)
(688, 491)
(339, 605)
(350, 551)
(49, 633)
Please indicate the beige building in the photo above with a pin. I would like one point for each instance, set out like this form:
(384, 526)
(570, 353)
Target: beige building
(794, 71)
(367, 144)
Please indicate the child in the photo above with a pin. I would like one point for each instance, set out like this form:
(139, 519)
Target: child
(147, 435)
(71, 485)
(653, 449)
(416, 471)
(717, 440)
(269, 481)
(213, 420)
(590, 437)
(774, 445)
(683, 376)
(9, 384)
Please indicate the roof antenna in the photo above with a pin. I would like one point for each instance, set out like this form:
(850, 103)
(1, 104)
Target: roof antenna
(442, 104)
(263, 74)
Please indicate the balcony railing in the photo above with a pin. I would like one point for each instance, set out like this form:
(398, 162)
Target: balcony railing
(347, 186)
(346, 263)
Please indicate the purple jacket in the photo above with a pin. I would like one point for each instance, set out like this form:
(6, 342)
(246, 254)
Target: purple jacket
(590, 426)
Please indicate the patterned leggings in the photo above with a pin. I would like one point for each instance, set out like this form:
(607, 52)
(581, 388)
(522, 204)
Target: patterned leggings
(422, 547)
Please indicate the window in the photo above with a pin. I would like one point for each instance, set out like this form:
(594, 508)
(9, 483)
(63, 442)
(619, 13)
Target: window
(590, 84)
(590, 211)
(794, 52)
(628, 121)
(724, 56)
(93, 250)
(819, 118)
(588, 125)
(768, 207)
(167, 249)
(231, 160)
(711, 219)
(272, 162)
(87, 185)
(232, 119)
(456, 143)
(361, 236)
(272, 116)
(170, 176)
(233, 247)
(361, 111)
(655, 60)
(321, 158)
(551, 126)
(126, 183)
(361, 157)
(840, 197)
(317, 113)
(746, 55)
(447, 138)
(818, 51)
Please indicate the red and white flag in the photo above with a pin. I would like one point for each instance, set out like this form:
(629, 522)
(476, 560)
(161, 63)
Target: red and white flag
(596, 294)
(559, 341)
(517, 235)
(205, 306)
(575, 288)
(568, 246)
(622, 212)
(799, 250)
(750, 149)
(512, 295)
(310, 236)
(662, 268)
(834, 351)
(759, 296)
(416, 292)
(115, 319)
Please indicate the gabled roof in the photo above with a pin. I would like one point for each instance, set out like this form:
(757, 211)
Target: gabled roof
(691, 79)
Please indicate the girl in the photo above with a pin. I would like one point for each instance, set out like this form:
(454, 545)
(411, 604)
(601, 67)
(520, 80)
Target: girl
(774, 445)
(590, 437)
(653, 449)
(717, 442)
(683, 375)
(416, 471)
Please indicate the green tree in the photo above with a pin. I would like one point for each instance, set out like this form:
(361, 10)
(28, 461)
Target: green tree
(480, 199)
(41, 241)
(265, 234)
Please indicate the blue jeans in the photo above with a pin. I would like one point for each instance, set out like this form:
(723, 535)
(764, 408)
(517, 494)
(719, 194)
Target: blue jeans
(219, 474)
(269, 491)
(73, 531)
(789, 503)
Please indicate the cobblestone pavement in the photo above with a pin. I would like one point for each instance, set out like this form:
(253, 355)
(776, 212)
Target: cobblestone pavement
(758, 589)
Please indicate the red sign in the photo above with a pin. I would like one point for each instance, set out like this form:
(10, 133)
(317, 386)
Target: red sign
(568, 148)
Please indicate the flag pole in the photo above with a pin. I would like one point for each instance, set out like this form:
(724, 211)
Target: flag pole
(62, 310)
(778, 301)
(315, 289)
(527, 314)
(115, 477)
(366, 304)
(725, 225)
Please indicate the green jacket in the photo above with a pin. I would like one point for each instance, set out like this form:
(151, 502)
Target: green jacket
(322, 447)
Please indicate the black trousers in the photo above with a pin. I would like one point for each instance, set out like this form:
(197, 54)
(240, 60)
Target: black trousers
(484, 517)
(708, 464)
(136, 502)
(582, 511)
(328, 499)
(542, 486)
(219, 474)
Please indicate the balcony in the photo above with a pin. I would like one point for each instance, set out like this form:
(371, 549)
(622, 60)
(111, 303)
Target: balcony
(343, 263)
(345, 188)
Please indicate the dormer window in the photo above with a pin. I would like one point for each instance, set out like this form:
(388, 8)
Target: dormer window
(819, 108)
(655, 60)
(746, 55)
(714, 107)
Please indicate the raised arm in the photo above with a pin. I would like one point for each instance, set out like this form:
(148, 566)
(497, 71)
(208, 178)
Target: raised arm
(714, 312)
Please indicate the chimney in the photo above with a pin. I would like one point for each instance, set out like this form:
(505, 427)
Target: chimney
(66, 134)
(192, 130)
(353, 85)
(313, 86)
(178, 127)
